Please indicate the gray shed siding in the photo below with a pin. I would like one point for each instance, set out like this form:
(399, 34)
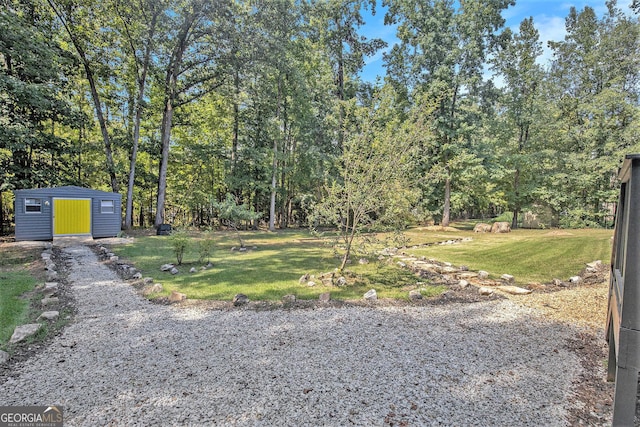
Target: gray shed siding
(39, 226)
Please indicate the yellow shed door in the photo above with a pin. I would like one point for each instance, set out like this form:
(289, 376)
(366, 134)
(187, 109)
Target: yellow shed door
(71, 216)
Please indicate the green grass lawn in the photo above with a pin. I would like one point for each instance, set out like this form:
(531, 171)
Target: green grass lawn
(269, 269)
(274, 262)
(15, 281)
(528, 255)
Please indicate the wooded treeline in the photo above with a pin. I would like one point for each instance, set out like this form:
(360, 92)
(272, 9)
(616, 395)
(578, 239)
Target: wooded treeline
(177, 104)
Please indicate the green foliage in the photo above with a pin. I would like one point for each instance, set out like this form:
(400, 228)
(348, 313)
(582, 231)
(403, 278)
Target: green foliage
(232, 214)
(205, 247)
(179, 243)
(374, 189)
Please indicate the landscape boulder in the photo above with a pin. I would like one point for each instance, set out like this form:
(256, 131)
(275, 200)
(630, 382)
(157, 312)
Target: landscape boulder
(166, 267)
(482, 228)
(23, 332)
(507, 278)
(371, 295)
(49, 315)
(501, 227)
(485, 291)
(177, 296)
(240, 299)
(415, 295)
(174, 271)
(289, 299)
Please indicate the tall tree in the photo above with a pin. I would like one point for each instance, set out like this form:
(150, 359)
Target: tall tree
(596, 75)
(35, 101)
(515, 61)
(139, 26)
(82, 24)
(442, 50)
(196, 46)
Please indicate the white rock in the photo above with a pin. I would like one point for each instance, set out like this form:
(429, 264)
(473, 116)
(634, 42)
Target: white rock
(192, 270)
(463, 283)
(371, 295)
(113, 258)
(22, 332)
(575, 279)
(485, 291)
(166, 267)
(483, 275)
(49, 315)
(174, 271)
(514, 290)
(507, 277)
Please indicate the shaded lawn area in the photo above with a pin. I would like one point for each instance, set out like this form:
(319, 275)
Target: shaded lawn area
(274, 262)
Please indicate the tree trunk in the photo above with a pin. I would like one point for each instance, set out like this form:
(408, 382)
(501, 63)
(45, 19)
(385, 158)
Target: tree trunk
(516, 204)
(274, 178)
(142, 82)
(1, 216)
(167, 119)
(446, 211)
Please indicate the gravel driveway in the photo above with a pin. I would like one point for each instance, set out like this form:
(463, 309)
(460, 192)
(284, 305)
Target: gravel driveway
(126, 361)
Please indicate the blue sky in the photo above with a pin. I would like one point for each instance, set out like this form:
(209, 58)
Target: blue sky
(548, 17)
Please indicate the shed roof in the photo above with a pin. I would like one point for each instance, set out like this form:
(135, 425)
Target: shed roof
(65, 191)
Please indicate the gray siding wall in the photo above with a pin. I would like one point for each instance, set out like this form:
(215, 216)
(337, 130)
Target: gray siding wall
(39, 226)
(106, 224)
(31, 225)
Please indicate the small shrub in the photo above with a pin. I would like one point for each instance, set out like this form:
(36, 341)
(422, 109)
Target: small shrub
(205, 248)
(179, 243)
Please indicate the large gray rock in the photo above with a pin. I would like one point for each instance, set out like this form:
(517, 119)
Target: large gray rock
(174, 271)
(23, 332)
(4, 357)
(371, 295)
(240, 299)
(483, 275)
(166, 267)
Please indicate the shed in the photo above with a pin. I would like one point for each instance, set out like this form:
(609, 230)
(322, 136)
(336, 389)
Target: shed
(45, 213)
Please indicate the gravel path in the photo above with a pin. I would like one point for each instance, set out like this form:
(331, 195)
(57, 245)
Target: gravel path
(125, 361)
